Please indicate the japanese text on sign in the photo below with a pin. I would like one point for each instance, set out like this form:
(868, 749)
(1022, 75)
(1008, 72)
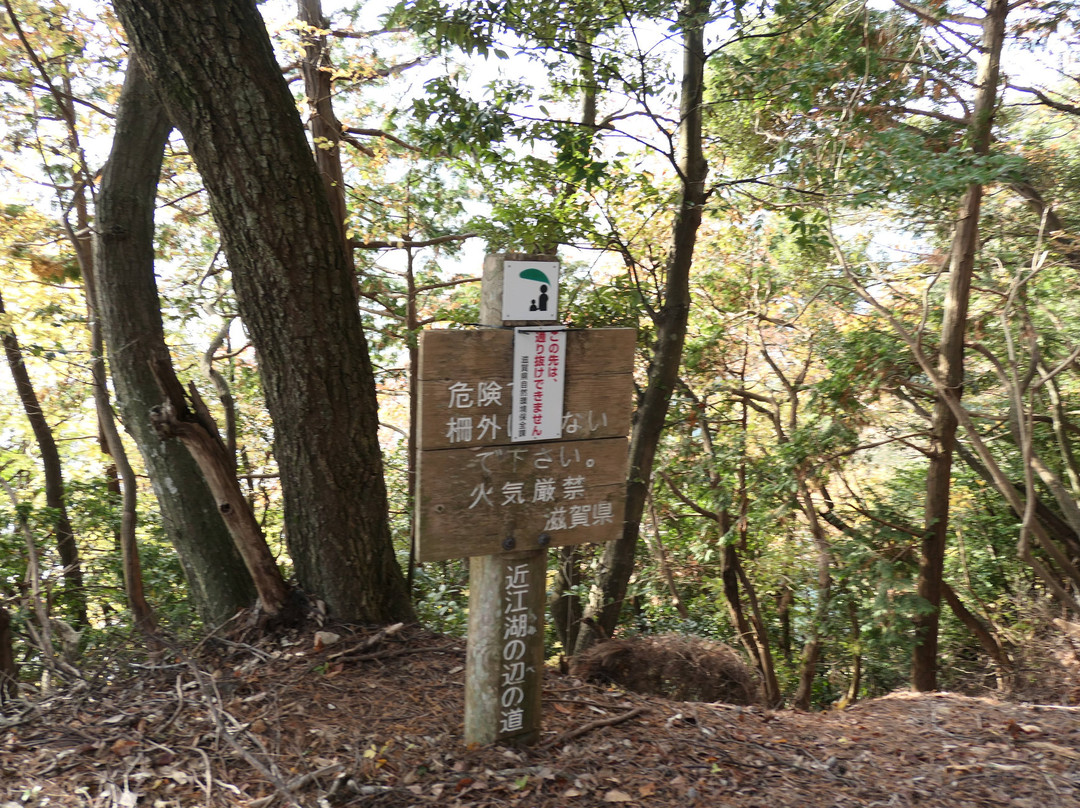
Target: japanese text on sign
(518, 623)
(539, 383)
(563, 485)
(459, 428)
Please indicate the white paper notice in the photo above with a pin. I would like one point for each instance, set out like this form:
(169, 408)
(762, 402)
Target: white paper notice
(539, 382)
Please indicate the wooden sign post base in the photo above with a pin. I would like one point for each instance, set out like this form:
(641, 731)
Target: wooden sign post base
(505, 661)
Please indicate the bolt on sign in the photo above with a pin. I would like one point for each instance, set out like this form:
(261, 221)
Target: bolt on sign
(483, 488)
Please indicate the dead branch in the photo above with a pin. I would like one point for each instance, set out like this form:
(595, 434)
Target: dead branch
(370, 642)
(598, 724)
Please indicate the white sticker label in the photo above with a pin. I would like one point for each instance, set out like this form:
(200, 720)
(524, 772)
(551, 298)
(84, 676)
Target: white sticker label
(539, 383)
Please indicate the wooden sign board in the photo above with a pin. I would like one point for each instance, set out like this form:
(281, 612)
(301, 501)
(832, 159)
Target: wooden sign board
(465, 379)
(486, 500)
(480, 494)
(505, 663)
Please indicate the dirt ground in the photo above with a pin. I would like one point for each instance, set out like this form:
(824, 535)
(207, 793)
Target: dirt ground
(289, 722)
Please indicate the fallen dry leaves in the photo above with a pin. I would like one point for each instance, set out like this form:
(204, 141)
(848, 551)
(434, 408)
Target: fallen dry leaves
(281, 723)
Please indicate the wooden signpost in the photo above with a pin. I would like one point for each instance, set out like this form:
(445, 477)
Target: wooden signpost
(489, 489)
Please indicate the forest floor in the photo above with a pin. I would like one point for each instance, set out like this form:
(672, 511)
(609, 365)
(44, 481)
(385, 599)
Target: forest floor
(360, 723)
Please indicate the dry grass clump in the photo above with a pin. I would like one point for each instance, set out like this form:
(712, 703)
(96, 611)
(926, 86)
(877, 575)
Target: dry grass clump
(681, 668)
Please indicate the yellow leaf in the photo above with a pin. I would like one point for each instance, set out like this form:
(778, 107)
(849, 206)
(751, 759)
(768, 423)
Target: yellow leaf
(617, 796)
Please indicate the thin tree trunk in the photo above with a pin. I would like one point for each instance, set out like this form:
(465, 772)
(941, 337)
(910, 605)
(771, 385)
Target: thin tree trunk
(221, 386)
(53, 472)
(855, 684)
(773, 696)
(566, 606)
(9, 671)
(950, 363)
(141, 611)
(617, 562)
(566, 611)
(131, 318)
(784, 600)
(660, 556)
(323, 123)
(412, 330)
(729, 576)
(812, 649)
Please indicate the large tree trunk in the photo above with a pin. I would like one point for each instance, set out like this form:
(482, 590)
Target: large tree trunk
(951, 359)
(131, 318)
(53, 472)
(617, 562)
(214, 68)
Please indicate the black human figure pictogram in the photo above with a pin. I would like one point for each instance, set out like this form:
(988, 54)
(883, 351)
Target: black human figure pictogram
(543, 300)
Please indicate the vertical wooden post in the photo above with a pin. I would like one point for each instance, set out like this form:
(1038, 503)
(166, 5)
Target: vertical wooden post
(505, 657)
(505, 664)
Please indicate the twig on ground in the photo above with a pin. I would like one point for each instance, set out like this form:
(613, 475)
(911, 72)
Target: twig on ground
(179, 706)
(370, 642)
(584, 728)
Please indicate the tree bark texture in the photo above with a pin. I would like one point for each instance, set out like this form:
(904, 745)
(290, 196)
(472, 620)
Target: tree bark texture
(53, 472)
(617, 562)
(174, 419)
(214, 69)
(951, 358)
(813, 648)
(130, 314)
(9, 671)
(323, 124)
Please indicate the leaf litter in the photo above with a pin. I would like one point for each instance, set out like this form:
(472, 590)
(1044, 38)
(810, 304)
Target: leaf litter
(290, 721)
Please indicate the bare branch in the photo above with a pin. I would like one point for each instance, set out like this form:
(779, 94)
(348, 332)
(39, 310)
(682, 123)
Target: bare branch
(342, 33)
(379, 133)
(408, 244)
(685, 500)
(1060, 106)
(932, 19)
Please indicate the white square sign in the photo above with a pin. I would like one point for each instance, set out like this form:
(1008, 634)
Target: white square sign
(539, 383)
(530, 290)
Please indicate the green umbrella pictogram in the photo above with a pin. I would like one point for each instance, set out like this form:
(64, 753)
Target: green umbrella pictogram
(534, 274)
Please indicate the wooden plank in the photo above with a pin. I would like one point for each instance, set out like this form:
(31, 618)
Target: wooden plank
(505, 660)
(465, 378)
(491, 499)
